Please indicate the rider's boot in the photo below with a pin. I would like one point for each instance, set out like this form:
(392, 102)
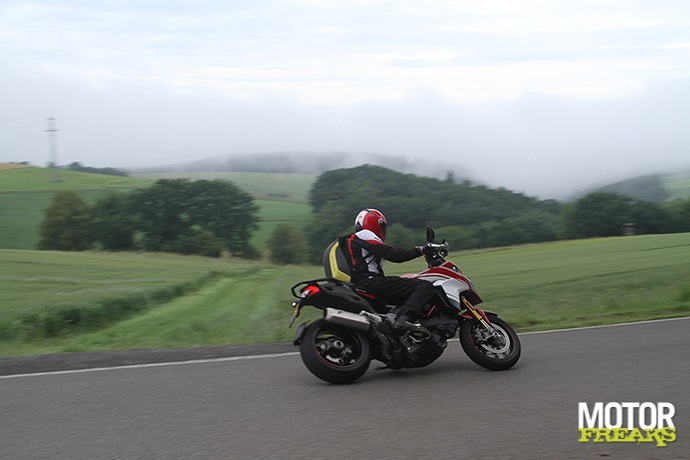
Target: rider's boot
(405, 321)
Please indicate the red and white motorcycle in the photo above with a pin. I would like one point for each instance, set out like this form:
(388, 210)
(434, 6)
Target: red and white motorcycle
(355, 327)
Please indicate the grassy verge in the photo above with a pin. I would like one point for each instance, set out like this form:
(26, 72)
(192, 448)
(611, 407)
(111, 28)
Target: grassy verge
(48, 296)
(557, 285)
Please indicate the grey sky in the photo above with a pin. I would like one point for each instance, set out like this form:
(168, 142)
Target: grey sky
(543, 97)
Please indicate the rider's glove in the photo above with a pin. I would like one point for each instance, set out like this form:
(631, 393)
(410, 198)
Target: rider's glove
(426, 250)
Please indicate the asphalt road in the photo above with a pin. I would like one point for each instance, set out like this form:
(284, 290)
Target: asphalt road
(253, 405)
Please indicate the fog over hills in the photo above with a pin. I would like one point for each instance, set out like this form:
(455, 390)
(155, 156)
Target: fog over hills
(320, 162)
(314, 163)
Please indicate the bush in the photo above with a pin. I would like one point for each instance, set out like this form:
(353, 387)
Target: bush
(203, 243)
(288, 245)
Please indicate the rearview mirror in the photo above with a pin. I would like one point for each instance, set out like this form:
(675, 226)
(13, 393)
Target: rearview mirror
(430, 234)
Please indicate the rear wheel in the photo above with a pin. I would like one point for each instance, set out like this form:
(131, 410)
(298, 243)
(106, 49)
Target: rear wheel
(496, 349)
(335, 353)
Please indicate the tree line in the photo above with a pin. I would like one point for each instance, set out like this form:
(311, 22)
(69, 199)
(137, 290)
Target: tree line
(76, 166)
(466, 214)
(206, 217)
(212, 217)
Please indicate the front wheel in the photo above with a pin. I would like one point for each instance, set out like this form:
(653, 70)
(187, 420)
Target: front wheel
(335, 353)
(496, 349)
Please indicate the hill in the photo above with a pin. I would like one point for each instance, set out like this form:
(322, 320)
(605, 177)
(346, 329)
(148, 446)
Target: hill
(310, 163)
(284, 198)
(263, 186)
(656, 188)
(26, 191)
(19, 178)
(9, 166)
(678, 185)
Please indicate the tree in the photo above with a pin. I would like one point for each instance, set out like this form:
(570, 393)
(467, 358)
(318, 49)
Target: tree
(597, 214)
(679, 215)
(67, 224)
(458, 238)
(225, 210)
(532, 226)
(172, 210)
(415, 202)
(159, 214)
(400, 236)
(76, 166)
(493, 234)
(650, 217)
(331, 222)
(113, 224)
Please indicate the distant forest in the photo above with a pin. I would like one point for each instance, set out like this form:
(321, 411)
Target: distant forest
(468, 215)
(471, 215)
(76, 166)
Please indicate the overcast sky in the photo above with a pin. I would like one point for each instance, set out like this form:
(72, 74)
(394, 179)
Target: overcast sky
(541, 97)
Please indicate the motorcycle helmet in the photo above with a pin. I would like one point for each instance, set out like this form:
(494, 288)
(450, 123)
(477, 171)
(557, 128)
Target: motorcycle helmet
(373, 220)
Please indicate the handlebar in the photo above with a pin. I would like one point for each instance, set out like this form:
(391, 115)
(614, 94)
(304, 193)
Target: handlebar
(438, 253)
(440, 249)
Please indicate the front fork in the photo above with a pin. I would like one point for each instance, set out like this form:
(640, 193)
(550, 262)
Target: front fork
(475, 314)
(487, 334)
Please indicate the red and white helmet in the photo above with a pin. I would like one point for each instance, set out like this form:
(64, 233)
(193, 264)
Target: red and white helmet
(373, 220)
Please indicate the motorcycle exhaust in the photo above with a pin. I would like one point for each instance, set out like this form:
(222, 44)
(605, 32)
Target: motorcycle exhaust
(346, 318)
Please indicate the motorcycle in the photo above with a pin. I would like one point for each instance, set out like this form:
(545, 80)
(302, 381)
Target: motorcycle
(355, 328)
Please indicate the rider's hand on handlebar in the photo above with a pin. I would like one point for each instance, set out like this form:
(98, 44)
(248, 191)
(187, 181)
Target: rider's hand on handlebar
(428, 249)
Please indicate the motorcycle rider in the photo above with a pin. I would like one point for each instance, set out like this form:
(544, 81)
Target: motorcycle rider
(366, 250)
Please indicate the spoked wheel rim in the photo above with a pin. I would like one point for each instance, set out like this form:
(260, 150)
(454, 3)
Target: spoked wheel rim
(335, 353)
(495, 343)
(496, 348)
(339, 348)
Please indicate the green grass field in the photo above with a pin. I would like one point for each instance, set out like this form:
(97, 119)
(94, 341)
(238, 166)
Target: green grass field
(43, 179)
(273, 213)
(537, 287)
(282, 198)
(26, 192)
(60, 302)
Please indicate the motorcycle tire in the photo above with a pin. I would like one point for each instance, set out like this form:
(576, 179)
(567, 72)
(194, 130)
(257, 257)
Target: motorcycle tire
(335, 353)
(491, 354)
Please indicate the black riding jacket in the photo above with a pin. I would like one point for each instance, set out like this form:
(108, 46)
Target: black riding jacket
(367, 252)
